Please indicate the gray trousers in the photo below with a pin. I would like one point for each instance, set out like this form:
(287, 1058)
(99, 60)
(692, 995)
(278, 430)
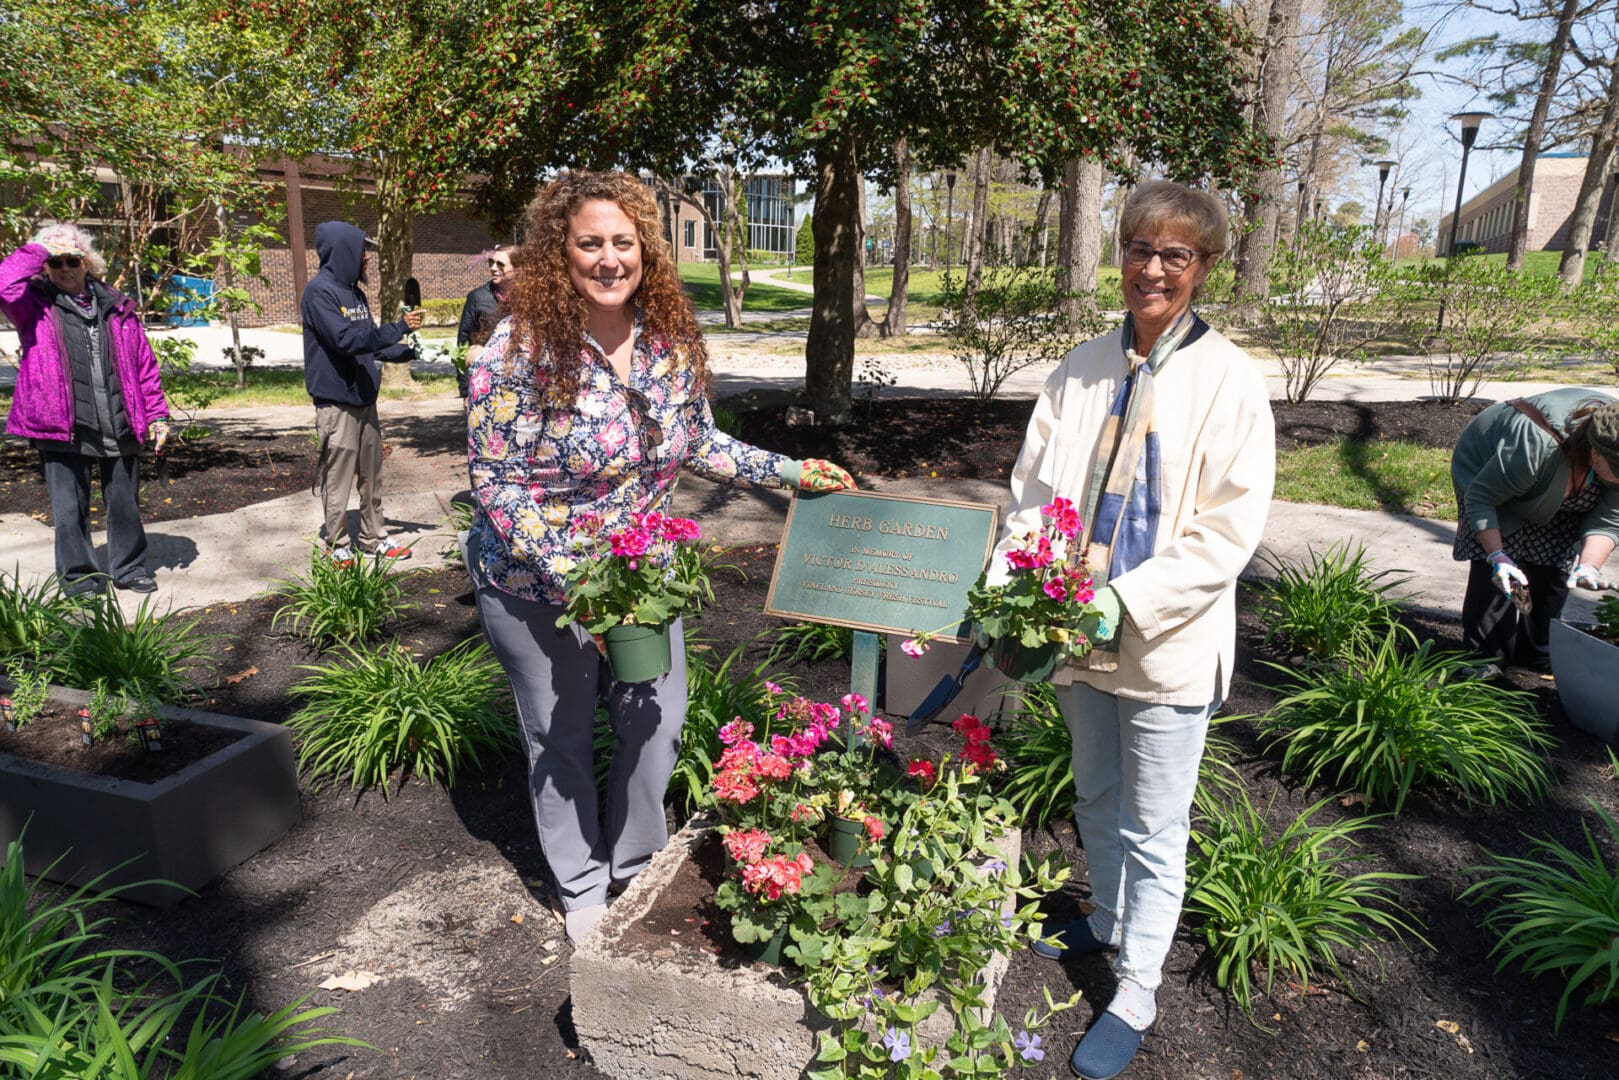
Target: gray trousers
(67, 480)
(556, 675)
(351, 455)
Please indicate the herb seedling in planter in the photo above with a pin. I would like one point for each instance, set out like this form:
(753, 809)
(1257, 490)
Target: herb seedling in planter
(98, 721)
(27, 696)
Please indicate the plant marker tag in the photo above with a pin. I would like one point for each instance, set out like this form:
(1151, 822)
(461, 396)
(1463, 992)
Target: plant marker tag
(8, 715)
(86, 731)
(151, 732)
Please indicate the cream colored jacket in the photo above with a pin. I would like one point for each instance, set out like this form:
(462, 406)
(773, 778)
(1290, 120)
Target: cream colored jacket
(1218, 448)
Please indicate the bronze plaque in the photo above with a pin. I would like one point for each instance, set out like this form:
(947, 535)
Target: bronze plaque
(881, 562)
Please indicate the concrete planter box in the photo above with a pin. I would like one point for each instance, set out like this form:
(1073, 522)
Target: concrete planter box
(1587, 672)
(683, 1014)
(187, 828)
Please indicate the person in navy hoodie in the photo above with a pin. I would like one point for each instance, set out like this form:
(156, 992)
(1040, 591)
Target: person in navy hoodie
(342, 347)
(89, 395)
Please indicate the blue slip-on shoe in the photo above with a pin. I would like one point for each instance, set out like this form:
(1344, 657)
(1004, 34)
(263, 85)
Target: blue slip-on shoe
(1077, 941)
(1106, 1049)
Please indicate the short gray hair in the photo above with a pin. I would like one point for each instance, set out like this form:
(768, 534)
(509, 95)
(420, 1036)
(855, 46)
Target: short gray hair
(65, 237)
(1163, 203)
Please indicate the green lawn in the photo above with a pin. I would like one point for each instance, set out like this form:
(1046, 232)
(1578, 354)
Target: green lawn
(1402, 477)
(1538, 263)
(702, 281)
(281, 386)
(927, 286)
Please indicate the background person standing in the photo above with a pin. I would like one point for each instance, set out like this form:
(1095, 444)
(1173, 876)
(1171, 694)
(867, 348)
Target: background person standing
(88, 394)
(480, 313)
(342, 347)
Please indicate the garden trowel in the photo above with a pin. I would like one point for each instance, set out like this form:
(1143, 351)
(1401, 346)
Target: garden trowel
(944, 693)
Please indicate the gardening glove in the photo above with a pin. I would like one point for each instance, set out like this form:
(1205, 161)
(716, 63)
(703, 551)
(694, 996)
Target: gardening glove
(813, 474)
(159, 431)
(1586, 576)
(1104, 625)
(1506, 573)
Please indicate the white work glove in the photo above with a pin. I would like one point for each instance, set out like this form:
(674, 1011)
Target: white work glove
(1586, 576)
(1506, 573)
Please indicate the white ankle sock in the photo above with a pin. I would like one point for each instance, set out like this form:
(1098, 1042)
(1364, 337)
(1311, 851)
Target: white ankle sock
(1134, 1004)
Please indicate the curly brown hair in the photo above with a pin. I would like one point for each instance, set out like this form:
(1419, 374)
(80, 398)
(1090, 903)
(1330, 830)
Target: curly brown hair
(549, 315)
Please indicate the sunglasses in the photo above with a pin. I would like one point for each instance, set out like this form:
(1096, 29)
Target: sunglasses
(56, 262)
(646, 425)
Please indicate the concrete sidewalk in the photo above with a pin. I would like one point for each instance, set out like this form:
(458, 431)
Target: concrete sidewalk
(233, 556)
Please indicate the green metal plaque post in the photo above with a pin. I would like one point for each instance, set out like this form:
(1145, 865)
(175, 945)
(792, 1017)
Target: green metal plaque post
(863, 674)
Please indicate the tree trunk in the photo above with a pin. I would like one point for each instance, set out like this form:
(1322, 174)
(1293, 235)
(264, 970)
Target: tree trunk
(396, 243)
(1276, 71)
(864, 325)
(1533, 133)
(1597, 168)
(1040, 233)
(980, 223)
(1079, 235)
(829, 352)
(899, 292)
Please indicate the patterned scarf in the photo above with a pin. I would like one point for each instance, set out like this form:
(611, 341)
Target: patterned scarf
(1125, 497)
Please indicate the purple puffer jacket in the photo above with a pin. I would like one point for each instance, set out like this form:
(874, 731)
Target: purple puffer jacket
(42, 404)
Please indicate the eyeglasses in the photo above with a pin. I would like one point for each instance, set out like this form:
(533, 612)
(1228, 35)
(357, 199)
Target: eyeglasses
(56, 262)
(1174, 259)
(646, 425)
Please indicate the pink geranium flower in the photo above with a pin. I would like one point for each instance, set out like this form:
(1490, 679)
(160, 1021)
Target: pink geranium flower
(913, 647)
(1054, 589)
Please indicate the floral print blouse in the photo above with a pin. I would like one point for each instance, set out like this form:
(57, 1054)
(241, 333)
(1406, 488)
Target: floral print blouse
(536, 469)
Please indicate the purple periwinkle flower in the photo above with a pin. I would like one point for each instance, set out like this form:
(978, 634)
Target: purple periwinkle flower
(875, 996)
(898, 1043)
(994, 866)
(1028, 1047)
(942, 929)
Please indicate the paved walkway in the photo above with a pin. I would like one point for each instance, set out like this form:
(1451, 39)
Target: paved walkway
(233, 556)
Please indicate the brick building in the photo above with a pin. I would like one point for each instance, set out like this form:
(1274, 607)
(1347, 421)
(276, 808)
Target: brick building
(447, 261)
(1486, 218)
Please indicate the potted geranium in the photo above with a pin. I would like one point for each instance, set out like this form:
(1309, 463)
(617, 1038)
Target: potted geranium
(627, 585)
(1032, 619)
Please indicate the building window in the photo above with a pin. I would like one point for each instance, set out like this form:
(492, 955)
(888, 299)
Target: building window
(689, 239)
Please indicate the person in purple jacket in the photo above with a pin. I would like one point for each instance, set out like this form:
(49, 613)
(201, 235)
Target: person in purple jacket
(89, 396)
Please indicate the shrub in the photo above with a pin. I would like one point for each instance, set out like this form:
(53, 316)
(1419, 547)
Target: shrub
(150, 656)
(379, 710)
(1328, 302)
(1392, 721)
(340, 605)
(69, 1008)
(1558, 911)
(1284, 901)
(1608, 616)
(33, 621)
(808, 642)
(1332, 606)
(1009, 324)
(29, 692)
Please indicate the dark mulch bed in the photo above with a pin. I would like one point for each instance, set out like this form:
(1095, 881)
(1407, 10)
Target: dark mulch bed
(223, 471)
(270, 920)
(55, 737)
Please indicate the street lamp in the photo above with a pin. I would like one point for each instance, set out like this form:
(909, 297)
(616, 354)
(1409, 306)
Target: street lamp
(1470, 122)
(949, 214)
(1380, 220)
(1298, 218)
(1399, 230)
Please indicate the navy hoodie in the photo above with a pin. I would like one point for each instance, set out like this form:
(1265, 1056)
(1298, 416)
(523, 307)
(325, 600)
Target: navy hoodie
(342, 344)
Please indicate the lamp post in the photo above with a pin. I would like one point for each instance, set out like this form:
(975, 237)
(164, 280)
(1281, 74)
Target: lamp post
(1470, 122)
(1399, 230)
(1298, 218)
(1380, 220)
(949, 215)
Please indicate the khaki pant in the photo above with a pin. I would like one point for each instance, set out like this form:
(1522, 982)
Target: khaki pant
(350, 456)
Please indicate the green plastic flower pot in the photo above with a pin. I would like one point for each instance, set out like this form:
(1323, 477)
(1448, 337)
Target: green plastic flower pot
(1017, 661)
(638, 654)
(843, 842)
(767, 951)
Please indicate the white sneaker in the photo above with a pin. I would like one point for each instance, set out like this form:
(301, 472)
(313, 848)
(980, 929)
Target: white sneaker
(342, 555)
(387, 548)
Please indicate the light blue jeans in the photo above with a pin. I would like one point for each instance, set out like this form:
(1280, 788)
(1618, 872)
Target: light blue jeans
(1135, 772)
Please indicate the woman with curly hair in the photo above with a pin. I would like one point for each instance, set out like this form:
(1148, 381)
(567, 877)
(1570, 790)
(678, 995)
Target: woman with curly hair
(89, 395)
(585, 404)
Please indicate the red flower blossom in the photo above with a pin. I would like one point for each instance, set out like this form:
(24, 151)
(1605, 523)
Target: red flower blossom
(923, 770)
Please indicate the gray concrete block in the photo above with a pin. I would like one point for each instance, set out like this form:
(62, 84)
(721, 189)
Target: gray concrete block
(677, 1013)
(187, 828)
